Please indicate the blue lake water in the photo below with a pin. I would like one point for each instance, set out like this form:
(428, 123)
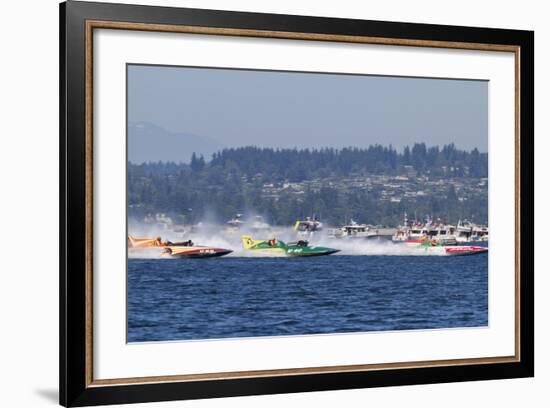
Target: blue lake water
(171, 299)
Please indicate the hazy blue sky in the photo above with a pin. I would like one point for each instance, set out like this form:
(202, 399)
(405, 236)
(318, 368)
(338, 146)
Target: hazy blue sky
(283, 109)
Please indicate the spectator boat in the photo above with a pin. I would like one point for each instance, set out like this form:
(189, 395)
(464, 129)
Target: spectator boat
(353, 230)
(307, 227)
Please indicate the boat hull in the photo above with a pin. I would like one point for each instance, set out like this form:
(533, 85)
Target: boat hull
(311, 251)
(452, 250)
(465, 250)
(195, 252)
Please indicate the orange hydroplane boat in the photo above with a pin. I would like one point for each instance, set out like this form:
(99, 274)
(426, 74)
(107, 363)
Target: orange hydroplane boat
(186, 249)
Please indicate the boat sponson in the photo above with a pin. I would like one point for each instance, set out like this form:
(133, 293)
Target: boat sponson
(465, 250)
(324, 251)
(196, 252)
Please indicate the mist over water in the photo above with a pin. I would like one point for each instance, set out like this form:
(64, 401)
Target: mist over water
(219, 236)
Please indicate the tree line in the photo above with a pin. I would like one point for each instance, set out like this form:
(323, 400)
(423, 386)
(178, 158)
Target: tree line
(232, 182)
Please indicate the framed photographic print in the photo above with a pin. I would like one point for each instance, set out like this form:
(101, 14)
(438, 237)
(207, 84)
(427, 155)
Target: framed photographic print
(256, 203)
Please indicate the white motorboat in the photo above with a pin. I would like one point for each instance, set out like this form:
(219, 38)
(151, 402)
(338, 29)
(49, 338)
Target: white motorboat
(354, 230)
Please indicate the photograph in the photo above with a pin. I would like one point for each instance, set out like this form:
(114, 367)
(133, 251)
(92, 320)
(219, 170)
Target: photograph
(256, 203)
(264, 203)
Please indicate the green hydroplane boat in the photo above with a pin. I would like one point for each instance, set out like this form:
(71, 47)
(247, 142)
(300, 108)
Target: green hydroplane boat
(274, 246)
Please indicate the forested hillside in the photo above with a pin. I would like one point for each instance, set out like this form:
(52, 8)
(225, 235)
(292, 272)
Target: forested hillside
(374, 185)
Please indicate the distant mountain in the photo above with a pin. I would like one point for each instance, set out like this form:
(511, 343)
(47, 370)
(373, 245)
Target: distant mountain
(150, 143)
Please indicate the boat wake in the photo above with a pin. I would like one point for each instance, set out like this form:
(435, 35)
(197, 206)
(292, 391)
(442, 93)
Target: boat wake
(346, 247)
(376, 248)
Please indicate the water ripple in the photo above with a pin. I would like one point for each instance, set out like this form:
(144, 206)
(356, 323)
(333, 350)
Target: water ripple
(242, 297)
